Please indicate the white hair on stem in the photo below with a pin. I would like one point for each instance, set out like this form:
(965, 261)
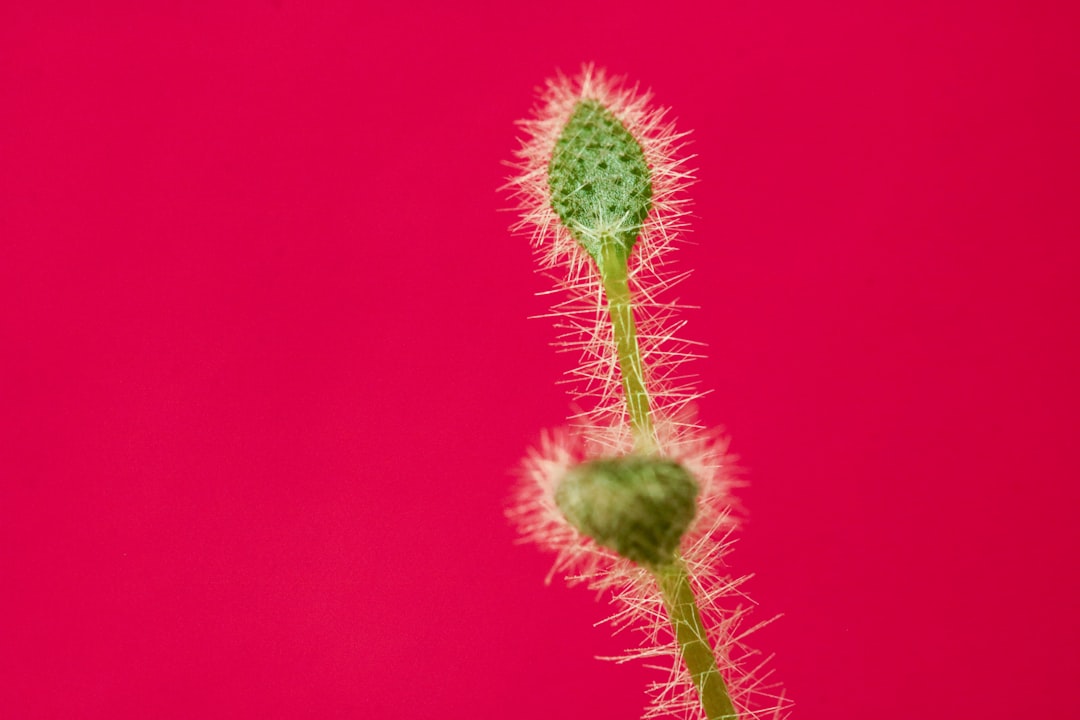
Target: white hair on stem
(601, 428)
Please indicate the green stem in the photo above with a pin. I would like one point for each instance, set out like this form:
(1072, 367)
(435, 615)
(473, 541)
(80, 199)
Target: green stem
(689, 631)
(612, 267)
(674, 581)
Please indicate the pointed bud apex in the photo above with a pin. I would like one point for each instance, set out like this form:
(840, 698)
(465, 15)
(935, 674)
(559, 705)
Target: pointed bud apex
(599, 179)
(635, 505)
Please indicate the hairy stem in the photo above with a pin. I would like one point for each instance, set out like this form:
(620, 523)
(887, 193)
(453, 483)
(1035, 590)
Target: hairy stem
(678, 595)
(612, 266)
(689, 631)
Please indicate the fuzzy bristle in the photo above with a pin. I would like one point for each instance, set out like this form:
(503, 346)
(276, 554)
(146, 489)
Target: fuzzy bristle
(581, 317)
(601, 429)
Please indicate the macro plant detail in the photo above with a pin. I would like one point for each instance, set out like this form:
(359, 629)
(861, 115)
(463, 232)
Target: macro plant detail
(634, 495)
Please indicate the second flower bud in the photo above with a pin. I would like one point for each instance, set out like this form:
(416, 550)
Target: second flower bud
(638, 506)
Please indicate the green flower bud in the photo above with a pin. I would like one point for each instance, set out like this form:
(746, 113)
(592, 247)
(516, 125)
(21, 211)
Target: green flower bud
(600, 181)
(638, 506)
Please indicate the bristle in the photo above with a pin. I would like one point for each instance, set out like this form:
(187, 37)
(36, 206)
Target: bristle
(600, 428)
(580, 317)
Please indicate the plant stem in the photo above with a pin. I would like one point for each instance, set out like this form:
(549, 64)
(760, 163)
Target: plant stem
(674, 581)
(689, 630)
(612, 267)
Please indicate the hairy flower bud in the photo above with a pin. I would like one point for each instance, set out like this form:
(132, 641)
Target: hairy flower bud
(599, 180)
(638, 506)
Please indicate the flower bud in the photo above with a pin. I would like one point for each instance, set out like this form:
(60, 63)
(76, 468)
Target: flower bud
(636, 505)
(600, 181)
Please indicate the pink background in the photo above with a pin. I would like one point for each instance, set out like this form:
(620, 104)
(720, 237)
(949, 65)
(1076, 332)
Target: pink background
(266, 373)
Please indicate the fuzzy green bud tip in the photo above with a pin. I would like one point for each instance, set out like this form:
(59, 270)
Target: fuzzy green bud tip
(600, 182)
(638, 506)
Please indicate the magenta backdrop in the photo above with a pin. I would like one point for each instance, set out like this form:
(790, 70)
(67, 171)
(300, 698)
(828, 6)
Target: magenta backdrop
(267, 372)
